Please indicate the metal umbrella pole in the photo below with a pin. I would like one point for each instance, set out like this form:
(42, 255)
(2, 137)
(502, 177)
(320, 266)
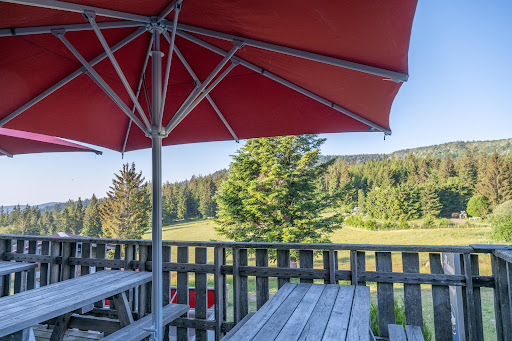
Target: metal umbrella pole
(156, 137)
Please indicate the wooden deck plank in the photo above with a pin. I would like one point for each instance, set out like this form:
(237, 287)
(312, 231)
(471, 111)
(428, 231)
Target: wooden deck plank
(275, 324)
(359, 325)
(338, 323)
(299, 318)
(396, 332)
(265, 313)
(35, 312)
(314, 329)
(414, 333)
(7, 267)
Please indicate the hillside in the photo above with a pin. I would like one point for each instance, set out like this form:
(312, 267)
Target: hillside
(455, 149)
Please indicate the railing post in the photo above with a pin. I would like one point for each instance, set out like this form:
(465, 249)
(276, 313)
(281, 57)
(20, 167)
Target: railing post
(385, 297)
(219, 292)
(479, 328)
(353, 267)
(101, 253)
(31, 274)
(361, 264)
(166, 285)
(18, 276)
(236, 285)
(54, 265)
(182, 290)
(412, 292)
(201, 292)
(306, 262)
(470, 298)
(244, 286)
(143, 289)
(501, 299)
(5, 281)
(283, 261)
(262, 293)
(441, 302)
(44, 272)
(86, 253)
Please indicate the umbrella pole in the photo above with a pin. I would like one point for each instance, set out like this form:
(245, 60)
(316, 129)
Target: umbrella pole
(156, 297)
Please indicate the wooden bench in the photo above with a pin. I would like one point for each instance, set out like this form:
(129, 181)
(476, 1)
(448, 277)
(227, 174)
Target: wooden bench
(138, 330)
(397, 333)
(23, 310)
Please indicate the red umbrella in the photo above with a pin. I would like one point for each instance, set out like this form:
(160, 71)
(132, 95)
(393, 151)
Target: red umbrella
(14, 142)
(240, 69)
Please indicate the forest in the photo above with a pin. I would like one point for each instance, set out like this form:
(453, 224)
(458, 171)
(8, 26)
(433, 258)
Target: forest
(383, 187)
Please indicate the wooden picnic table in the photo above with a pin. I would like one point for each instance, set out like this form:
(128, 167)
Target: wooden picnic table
(31, 307)
(7, 268)
(311, 312)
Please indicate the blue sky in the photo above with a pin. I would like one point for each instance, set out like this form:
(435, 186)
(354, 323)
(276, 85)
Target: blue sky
(459, 90)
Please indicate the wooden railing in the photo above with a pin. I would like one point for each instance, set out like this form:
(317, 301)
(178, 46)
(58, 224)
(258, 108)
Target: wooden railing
(253, 271)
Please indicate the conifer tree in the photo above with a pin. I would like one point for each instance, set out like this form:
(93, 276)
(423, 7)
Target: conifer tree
(127, 208)
(78, 217)
(92, 219)
(496, 181)
(273, 193)
(430, 201)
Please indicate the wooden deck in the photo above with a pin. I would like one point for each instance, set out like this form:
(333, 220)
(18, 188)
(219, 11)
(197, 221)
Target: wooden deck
(43, 333)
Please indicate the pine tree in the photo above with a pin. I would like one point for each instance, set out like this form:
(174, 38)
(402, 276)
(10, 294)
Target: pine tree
(273, 193)
(66, 220)
(447, 168)
(127, 208)
(496, 181)
(92, 219)
(78, 217)
(431, 205)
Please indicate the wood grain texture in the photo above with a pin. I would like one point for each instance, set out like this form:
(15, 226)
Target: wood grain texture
(182, 290)
(441, 302)
(396, 332)
(385, 296)
(412, 292)
(337, 326)
(200, 292)
(414, 333)
(306, 262)
(283, 261)
(244, 285)
(261, 282)
(359, 326)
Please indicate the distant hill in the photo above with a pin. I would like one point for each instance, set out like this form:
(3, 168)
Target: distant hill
(455, 149)
(46, 206)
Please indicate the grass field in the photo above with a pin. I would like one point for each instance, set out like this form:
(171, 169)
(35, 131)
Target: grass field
(203, 230)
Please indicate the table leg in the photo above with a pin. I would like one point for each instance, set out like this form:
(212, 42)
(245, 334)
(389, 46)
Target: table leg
(60, 327)
(124, 313)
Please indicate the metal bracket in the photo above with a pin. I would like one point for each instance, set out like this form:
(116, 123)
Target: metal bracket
(88, 14)
(59, 32)
(156, 26)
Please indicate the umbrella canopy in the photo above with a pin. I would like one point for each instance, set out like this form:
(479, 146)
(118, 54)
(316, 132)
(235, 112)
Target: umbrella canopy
(232, 69)
(14, 142)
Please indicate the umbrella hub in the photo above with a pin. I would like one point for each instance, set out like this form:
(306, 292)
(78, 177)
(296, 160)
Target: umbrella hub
(156, 26)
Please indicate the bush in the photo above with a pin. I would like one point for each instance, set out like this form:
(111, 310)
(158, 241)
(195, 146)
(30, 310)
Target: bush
(428, 221)
(371, 225)
(501, 221)
(399, 319)
(355, 220)
(478, 206)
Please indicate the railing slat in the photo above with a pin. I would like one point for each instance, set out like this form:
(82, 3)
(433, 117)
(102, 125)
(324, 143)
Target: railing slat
(18, 280)
(182, 289)
(441, 302)
(44, 272)
(503, 297)
(412, 292)
(244, 286)
(385, 297)
(101, 253)
(200, 294)
(5, 281)
(143, 290)
(283, 261)
(236, 285)
(166, 286)
(468, 296)
(31, 274)
(479, 328)
(86, 253)
(220, 291)
(361, 264)
(261, 282)
(54, 265)
(306, 262)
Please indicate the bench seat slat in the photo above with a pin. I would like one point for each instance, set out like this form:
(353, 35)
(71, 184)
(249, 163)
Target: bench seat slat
(414, 333)
(396, 332)
(137, 330)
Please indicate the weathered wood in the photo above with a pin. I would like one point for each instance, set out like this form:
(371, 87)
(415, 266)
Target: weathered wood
(359, 326)
(60, 327)
(300, 316)
(497, 305)
(236, 285)
(470, 318)
(283, 261)
(396, 332)
(385, 296)
(412, 292)
(139, 329)
(148, 287)
(11, 267)
(354, 268)
(361, 265)
(441, 302)
(101, 253)
(129, 256)
(31, 274)
(142, 291)
(479, 328)
(237, 327)
(117, 256)
(254, 324)
(201, 292)
(220, 294)
(414, 333)
(166, 285)
(66, 269)
(306, 262)
(100, 324)
(44, 272)
(261, 282)
(502, 288)
(124, 313)
(337, 326)
(182, 290)
(33, 306)
(86, 253)
(315, 327)
(220, 271)
(5, 280)
(18, 287)
(244, 286)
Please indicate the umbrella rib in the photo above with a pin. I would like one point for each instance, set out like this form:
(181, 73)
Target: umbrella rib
(139, 86)
(90, 16)
(286, 83)
(69, 78)
(174, 123)
(178, 115)
(78, 8)
(168, 66)
(168, 10)
(20, 31)
(5, 153)
(99, 81)
(388, 74)
(212, 103)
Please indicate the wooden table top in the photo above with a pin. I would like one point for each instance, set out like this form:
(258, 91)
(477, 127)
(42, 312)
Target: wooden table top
(7, 267)
(30, 307)
(311, 312)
